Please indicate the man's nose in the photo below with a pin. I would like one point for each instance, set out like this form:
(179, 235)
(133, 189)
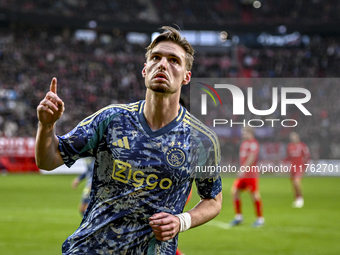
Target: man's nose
(163, 63)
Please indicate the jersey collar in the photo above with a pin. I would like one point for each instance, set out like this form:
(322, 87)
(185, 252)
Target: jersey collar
(163, 130)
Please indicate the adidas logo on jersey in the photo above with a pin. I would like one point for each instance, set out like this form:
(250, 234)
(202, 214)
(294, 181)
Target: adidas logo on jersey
(122, 143)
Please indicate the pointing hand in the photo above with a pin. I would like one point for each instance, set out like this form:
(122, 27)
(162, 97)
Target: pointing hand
(51, 108)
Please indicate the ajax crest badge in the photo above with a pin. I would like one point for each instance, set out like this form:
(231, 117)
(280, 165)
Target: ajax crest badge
(175, 157)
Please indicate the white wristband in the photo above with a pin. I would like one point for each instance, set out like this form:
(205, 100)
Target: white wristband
(185, 220)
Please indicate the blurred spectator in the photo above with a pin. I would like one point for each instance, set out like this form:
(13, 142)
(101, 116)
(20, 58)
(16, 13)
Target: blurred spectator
(105, 71)
(221, 12)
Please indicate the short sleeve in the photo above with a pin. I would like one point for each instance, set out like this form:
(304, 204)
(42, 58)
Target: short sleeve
(208, 181)
(254, 147)
(75, 145)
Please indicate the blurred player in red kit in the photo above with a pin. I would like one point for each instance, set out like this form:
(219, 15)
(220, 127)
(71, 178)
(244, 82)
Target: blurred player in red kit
(298, 155)
(248, 180)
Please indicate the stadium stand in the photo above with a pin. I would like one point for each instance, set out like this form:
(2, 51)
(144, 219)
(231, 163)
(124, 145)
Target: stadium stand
(188, 11)
(107, 70)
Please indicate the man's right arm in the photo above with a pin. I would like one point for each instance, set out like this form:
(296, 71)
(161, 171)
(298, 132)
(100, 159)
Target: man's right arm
(50, 109)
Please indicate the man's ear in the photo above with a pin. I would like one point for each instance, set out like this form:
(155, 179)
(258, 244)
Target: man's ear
(143, 71)
(187, 78)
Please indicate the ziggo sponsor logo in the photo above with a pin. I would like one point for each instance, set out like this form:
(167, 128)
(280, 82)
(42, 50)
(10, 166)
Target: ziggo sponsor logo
(122, 171)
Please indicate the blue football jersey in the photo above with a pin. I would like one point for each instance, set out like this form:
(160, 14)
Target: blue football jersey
(138, 172)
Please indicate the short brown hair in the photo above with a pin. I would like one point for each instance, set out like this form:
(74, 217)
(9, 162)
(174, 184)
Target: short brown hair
(171, 34)
(248, 129)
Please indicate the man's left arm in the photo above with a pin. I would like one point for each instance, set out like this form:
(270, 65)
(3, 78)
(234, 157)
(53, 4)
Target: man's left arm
(166, 226)
(205, 210)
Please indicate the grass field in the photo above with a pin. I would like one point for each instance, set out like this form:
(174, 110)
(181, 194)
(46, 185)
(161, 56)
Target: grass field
(37, 213)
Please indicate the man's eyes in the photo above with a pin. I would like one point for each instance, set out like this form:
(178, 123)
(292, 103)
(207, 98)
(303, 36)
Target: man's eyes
(172, 60)
(175, 60)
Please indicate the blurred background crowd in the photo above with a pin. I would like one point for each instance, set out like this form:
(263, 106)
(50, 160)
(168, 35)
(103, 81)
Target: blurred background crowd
(96, 50)
(213, 12)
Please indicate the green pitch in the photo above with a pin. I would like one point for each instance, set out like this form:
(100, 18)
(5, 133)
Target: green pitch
(38, 212)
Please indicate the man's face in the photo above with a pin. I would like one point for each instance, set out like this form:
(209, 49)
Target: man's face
(294, 137)
(165, 70)
(246, 134)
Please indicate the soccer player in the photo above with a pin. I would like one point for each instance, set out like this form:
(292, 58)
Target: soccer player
(248, 179)
(145, 155)
(298, 154)
(85, 197)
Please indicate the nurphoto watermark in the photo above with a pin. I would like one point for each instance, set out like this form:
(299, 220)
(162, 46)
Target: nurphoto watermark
(274, 108)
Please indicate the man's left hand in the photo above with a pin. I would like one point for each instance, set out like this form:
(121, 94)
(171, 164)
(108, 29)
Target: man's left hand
(165, 226)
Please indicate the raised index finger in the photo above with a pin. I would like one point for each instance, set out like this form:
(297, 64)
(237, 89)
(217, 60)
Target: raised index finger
(53, 86)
